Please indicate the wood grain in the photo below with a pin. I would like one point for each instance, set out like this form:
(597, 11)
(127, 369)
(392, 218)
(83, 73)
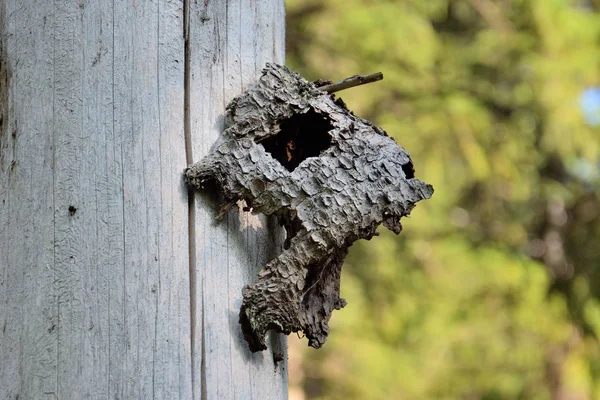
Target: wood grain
(230, 44)
(96, 295)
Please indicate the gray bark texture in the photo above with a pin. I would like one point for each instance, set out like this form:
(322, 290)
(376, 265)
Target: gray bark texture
(332, 178)
(115, 282)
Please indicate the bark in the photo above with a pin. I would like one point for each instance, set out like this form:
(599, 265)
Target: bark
(332, 178)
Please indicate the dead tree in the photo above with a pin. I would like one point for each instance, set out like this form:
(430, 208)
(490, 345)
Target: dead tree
(115, 280)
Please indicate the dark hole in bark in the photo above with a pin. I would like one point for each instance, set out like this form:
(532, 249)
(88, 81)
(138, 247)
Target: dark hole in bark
(301, 136)
(408, 169)
(292, 225)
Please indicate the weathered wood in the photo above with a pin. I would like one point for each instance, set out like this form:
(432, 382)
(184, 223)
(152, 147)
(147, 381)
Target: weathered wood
(230, 43)
(28, 302)
(96, 299)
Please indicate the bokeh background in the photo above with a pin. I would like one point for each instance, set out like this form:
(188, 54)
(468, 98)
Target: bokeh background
(493, 289)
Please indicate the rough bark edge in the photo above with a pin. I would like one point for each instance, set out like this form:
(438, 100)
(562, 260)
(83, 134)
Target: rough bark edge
(363, 179)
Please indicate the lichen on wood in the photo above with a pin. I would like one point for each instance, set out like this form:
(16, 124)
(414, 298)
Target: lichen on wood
(332, 178)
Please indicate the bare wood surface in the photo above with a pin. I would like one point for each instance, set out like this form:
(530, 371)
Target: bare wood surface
(230, 44)
(96, 299)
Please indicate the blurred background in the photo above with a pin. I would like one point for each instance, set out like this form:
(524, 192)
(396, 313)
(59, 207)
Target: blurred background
(493, 289)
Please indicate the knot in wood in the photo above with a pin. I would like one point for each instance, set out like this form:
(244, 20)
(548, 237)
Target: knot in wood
(331, 178)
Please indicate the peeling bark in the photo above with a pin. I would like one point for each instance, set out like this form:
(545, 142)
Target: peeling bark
(332, 178)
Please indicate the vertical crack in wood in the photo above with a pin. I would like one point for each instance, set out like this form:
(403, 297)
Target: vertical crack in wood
(54, 277)
(5, 75)
(112, 85)
(203, 387)
(191, 193)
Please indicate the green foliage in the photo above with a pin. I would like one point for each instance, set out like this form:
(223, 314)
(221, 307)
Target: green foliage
(479, 328)
(493, 289)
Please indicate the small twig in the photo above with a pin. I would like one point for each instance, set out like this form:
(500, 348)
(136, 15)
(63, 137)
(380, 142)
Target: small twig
(351, 82)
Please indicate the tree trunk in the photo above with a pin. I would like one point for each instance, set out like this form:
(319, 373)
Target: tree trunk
(115, 281)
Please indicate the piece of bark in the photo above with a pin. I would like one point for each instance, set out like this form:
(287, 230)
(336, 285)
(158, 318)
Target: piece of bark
(332, 178)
